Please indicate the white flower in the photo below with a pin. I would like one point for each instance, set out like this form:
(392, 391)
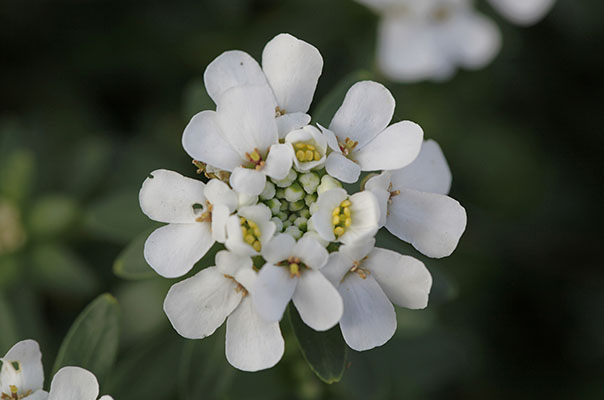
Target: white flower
(370, 280)
(292, 273)
(199, 305)
(249, 230)
(291, 67)
(428, 39)
(240, 137)
(523, 12)
(22, 375)
(309, 148)
(415, 206)
(74, 383)
(346, 219)
(196, 214)
(360, 138)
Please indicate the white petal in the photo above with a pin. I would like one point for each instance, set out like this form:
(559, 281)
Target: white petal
(332, 140)
(231, 68)
(272, 292)
(292, 68)
(290, 122)
(203, 140)
(248, 181)
(220, 217)
(474, 39)
(342, 168)
(251, 343)
(279, 161)
(379, 185)
(366, 111)
(228, 263)
(405, 280)
(429, 172)
(394, 148)
(73, 383)
(106, 397)
(197, 306)
(246, 115)
(338, 265)
(317, 301)
(358, 250)
(523, 12)
(432, 223)
(321, 219)
(30, 374)
(365, 214)
(218, 192)
(369, 319)
(172, 250)
(279, 248)
(43, 395)
(167, 196)
(310, 252)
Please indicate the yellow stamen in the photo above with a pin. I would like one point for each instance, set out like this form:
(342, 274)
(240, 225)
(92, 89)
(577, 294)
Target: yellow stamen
(317, 156)
(336, 211)
(347, 222)
(338, 231)
(309, 155)
(341, 218)
(251, 233)
(300, 155)
(257, 245)
(335, 219)
(249, 238)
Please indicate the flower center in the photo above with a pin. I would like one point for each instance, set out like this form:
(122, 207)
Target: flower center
(306, 151)
(341, 218)
(356, 268)
(14, 394)
(251, 233)
(295, 266)
(347, 146)
(255, 158)
(279, 112)
(239, 288)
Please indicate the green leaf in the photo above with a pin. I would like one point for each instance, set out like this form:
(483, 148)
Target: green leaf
(52, 215)
(16, 175)
(9, 334)
(92, 340)
(131, 263)
(327, 107)
(325, 352)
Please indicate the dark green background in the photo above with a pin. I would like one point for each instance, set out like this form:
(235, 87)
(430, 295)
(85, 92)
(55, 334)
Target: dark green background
(95, 94)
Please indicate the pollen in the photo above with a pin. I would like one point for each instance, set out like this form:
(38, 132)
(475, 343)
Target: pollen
(295, 266)
(348, 145)
(251, 233)
(255, 158)
(341, 218)
(306, 152)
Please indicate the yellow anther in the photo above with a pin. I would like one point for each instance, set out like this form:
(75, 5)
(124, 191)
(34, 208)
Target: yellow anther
(336, 211)
(335, 219)
(317, 156)
(249, 238)
(242, 220)
(257, 246)
(252, 224)
(255, 156)
(309, 155)
(346, 211)
(341, 218)
(338, 231)
(13, 389)
(294, 269)
(299, 146)
(257, 231)
(300, 155)
(347, 222)
(243, 231)
(346, 203)
(251, 233)
(310, 147)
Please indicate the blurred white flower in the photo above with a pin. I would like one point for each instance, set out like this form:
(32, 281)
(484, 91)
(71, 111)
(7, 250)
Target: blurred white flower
(199, 305)
(74, 383)
(292, 273)
(22, 375)
(429, 39)
(196, 214)
(415, 206)
(360, 138)
(370, 280)
(523, 12)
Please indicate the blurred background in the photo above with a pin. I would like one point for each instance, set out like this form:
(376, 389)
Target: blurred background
(95, 95)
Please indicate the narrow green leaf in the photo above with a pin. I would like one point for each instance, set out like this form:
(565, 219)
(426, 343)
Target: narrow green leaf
(327, 107)
(130, 263)
(325, 352)
(92, 340)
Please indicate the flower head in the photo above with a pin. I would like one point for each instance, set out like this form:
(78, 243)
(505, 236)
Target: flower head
(22, 375)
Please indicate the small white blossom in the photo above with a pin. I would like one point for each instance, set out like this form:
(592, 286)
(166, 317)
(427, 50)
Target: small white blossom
(370, 280)
(199, 305)
(309, 148)
(22, 375)
(249, 230)
(74, 383)
(196, 214)
(415, 206)
(523, 12)
(360, 138)
(292, 273)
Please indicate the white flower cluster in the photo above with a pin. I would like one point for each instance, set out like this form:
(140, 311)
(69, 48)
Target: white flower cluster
(276, 202)
(22, 377)
(430, 39)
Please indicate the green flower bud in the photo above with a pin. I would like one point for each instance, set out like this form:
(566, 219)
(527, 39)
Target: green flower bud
(327, 182)
(288, 180)
(278, 223)
(294, 193)
(280, 193)
(310, 199)
(310, 181)
(304, 212)
(297, 206)
(274, 205)
(269, 191)
(282, 216)
(294, 232)
(301, 223)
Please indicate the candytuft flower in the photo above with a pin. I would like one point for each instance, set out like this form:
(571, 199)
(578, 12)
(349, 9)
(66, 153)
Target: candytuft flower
(74, 383)
(22, 375)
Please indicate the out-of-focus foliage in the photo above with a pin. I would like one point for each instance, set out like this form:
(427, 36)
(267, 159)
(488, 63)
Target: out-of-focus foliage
(95, 95)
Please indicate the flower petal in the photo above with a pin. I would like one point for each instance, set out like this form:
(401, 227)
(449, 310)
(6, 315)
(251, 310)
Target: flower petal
(317, 301)
(218, 192)
(394, 148)
(358, 250)
(429, 172)
(310, 252)
(379, 185)
(342, 168)
(279, 248)
(30, 374)
(167, 196)
(369, 319)
(246, 115)
(432, 223)
(366, 111)
(248, 181)
(172, 250)
(365, 212)
(523, 12)
(321, 219)
(197, 306)
(220, 217)
(292, 68)
(228, 263)
(290, 122)
(73, 383)
(203, 140)
(338, 265)
(405, 280)
(474, 39)
(332, 140)
(251, 343)
(230, 69)
(43, 395)
(279, 161)
(272, 292)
